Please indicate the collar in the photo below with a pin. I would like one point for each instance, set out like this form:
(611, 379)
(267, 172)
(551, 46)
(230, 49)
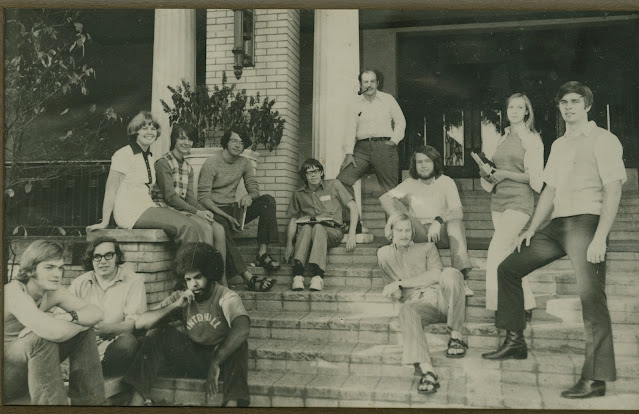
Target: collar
(586, 129)
(119, 277)
(308, 190)
(377, 96)
(411, 244)
(136, 149)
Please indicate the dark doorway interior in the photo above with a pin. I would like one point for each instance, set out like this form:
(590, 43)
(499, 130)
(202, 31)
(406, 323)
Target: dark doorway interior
(455, 80)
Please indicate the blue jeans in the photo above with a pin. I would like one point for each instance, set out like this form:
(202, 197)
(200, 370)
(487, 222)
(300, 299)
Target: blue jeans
(33, 363)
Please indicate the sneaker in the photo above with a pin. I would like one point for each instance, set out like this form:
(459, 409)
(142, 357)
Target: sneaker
(467, 290)
(317, 283)
(298, 283)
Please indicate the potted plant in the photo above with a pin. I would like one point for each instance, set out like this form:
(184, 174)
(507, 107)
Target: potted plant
(265, 126)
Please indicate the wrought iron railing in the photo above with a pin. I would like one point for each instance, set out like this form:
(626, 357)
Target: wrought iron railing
(54, 195)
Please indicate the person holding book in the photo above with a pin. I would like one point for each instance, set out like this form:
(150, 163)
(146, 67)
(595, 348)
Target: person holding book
(584, 177)
(217, 186)
(174, 188)
(316, 209)
(518, 167)
(434, 206)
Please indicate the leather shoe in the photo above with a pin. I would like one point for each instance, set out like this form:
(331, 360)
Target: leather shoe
(585, 389)
(514, 346)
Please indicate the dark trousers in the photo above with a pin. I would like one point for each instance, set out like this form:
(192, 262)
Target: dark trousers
(379, 156)
(265, 209)
(169, 351)
(119, 354)
(563, 236)
(33, 363)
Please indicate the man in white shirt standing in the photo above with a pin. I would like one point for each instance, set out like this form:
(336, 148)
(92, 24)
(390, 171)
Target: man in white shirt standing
(583, 176)
(375, 127)
(433, 205)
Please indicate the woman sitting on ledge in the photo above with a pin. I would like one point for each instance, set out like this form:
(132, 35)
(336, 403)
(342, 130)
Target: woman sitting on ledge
(175, 187)
(128, 188)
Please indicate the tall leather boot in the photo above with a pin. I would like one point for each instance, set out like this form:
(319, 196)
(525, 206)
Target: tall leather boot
(514, 346)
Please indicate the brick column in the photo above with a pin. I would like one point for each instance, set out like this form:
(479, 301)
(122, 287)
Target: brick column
(173, 60)
(276, 75)
(149, 253)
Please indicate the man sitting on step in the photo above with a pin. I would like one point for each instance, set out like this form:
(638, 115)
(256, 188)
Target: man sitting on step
(35, 340)
(317, 210)
(430, 293)
(584, 175)
(434, 207)
(213, 340)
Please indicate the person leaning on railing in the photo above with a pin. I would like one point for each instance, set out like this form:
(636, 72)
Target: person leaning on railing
(128, 188)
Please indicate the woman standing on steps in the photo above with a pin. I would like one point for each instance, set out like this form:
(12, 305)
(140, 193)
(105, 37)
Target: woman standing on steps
(519, 163)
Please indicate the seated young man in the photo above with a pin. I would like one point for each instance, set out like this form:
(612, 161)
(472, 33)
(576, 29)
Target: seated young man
(36, 341)
(219, 177)
(433, 205)
(319, 204)
(430, 293)
(214, 341)
(120, 294)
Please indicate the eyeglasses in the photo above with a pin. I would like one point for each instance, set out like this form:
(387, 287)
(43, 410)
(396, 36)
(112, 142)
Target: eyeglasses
(313, 172)
(236, 141)
(97, 257)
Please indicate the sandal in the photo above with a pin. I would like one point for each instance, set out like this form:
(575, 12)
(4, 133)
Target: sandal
(267, 262)
(456, 344)
(261, 285)
(425, 383)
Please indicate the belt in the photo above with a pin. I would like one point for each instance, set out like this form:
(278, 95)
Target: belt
(375, 139)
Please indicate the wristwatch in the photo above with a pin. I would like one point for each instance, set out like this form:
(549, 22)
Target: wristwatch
(441, 220)
(74, 315)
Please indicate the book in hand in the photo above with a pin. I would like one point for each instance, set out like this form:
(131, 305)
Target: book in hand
(325, 221)
(239, 214)
(487, 166)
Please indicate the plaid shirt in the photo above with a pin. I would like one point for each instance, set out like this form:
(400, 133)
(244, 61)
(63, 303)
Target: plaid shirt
(180, 172)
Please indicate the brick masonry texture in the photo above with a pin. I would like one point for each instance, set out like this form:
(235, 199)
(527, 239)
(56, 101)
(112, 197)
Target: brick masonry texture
(276, 75)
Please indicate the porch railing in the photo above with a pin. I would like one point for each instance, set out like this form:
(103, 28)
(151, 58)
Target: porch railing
(66, 194)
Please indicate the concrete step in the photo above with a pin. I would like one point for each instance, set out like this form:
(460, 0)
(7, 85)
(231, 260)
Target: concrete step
(328, 358)
(470, 384)
(337, 326)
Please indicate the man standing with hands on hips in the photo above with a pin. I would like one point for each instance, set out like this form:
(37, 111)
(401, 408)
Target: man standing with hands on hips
(375, 127)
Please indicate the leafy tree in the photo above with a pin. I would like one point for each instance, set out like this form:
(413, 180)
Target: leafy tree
(46, 65)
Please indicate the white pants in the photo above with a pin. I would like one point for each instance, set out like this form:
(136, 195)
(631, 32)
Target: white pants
(508, 224)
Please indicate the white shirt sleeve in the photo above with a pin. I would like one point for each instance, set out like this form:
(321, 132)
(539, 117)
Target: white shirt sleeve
(401, 191)
(121, 160)
(550, 172)
(609, 156)
(451, 194)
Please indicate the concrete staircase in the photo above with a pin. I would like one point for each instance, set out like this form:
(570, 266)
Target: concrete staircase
(342, 347)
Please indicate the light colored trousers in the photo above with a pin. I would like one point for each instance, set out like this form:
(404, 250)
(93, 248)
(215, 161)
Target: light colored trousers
(318, 239)
(452, 236)
(508, 224)
(444, 302)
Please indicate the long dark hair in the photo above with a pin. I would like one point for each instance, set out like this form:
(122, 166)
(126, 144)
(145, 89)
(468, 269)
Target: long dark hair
(434, 156)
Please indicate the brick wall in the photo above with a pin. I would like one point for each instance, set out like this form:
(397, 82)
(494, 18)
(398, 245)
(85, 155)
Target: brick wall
(276, 74)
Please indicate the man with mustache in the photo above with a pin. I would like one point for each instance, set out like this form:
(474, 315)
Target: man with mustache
(213, 342)
(375, 127)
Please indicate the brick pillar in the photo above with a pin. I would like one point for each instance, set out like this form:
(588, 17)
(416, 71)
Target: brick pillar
(149, 253)
(276, 75)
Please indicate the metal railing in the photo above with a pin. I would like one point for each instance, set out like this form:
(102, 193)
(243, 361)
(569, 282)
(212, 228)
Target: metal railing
(49, 194)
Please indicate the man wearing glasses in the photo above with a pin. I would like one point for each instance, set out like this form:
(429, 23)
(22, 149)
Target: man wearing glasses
(219, 178)
(317, 209)
(120, 294)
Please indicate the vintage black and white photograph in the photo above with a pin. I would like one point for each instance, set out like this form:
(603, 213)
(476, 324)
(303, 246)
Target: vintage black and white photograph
(321, 208)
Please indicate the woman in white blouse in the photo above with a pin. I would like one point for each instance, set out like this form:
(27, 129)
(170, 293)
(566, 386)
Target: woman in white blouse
(128, 188)
(519, 162)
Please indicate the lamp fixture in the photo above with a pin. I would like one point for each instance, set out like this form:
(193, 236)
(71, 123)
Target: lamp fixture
(243, 46)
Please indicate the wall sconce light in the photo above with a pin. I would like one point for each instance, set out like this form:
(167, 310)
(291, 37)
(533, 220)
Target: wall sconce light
(243, 46)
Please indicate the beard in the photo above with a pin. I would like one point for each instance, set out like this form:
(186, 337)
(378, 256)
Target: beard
(205, 293)
(426, 176)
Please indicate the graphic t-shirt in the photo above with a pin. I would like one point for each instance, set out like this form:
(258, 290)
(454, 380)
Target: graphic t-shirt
(209, 322)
